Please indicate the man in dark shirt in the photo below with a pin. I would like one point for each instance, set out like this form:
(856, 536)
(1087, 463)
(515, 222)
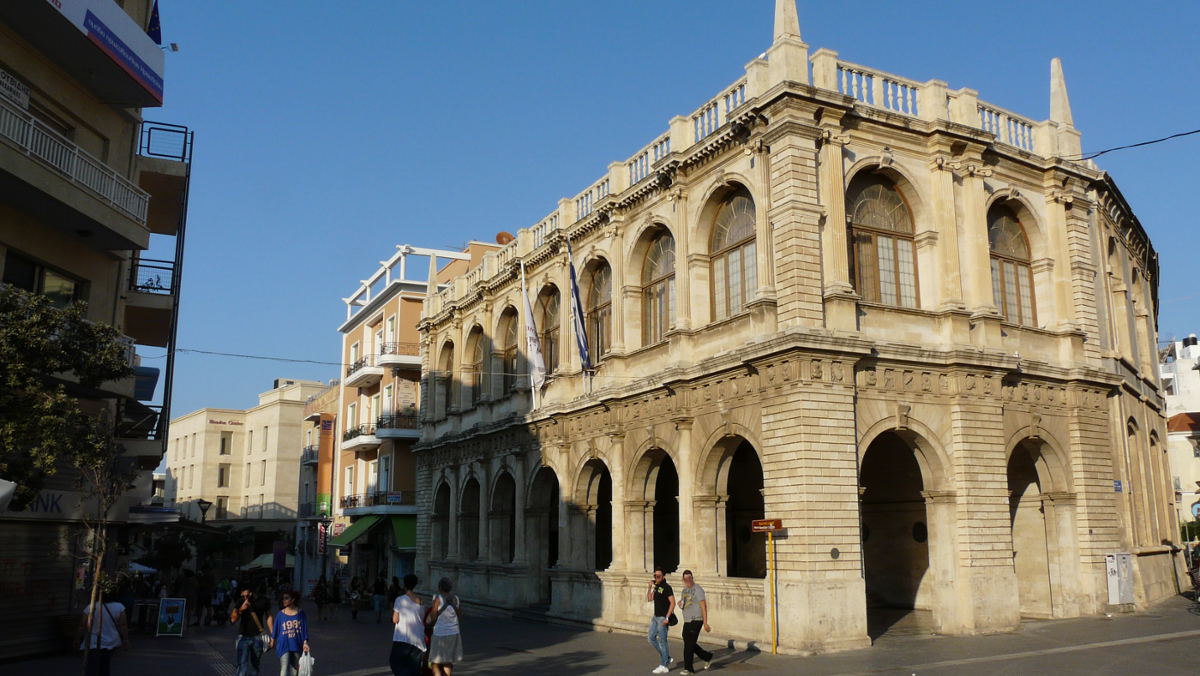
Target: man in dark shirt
(252, 615)
(664, 607)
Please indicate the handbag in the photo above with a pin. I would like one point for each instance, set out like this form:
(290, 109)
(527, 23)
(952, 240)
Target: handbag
(672, 621)
(264, 639)
(306, 664)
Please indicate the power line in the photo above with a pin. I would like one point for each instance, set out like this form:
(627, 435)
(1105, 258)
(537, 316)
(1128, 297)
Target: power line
(1132, 145)
(258, 356)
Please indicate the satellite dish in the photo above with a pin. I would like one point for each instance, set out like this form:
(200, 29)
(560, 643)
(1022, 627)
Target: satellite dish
(503, 238)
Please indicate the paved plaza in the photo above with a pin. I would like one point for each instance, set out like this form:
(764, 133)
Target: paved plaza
(1162, 641)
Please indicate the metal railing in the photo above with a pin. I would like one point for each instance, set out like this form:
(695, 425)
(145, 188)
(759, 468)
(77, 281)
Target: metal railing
(149, 275)
(366, 429)
(165, 140)
(406, 349)
(139, 421)
(36, 140)
(368, 360)
(406, 420)
(310, 455)
(379, 499)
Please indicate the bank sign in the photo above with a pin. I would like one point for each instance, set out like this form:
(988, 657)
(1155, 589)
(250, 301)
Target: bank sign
(50, 505)
(118, 36)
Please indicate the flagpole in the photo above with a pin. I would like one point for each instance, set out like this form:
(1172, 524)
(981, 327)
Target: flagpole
(533, 348)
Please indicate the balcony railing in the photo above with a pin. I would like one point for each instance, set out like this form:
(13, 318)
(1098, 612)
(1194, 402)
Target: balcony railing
(379, 499)
(368, 360)
(152, 276)
(165, 140)
(310, 455)
(406, 420)
(358, 431)
(38, 141)
(407, 349)
(136, 420)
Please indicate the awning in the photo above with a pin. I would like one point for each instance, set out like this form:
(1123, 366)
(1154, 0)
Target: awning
(268, 561)
(404, 530)
(356, 529)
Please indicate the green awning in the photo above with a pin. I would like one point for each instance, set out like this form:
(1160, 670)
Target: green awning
(355, 530)
(404, 532)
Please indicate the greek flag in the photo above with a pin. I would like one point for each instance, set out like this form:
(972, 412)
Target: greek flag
(533, 346)
(577, 315)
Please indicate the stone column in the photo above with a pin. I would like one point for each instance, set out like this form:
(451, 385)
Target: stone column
(519, 550)
(485, 512)
(639, 534)
(941, 210)
(688, 543)
(683, 251)
(620, 544)
(621, 306)
(1059, 509)
(840, 298)
(455, 475)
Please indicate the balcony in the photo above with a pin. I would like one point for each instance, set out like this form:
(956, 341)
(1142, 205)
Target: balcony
(380, 502)
(65, 187)
(163, 164)
(363, 373)
(140, 431)
(150, 301)
(405, 424)
(360, 438)
(311, 455)
(400, 355)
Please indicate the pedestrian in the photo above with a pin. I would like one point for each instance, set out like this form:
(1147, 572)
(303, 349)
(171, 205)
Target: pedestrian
(188, 589)
(379, 596)
(321, 597)
(694, 608)
(446, 647)
(355, 596)
(408, 638)
(663, 596)
(105, 632)
(290, 633)
(253, 619)
(393, 591)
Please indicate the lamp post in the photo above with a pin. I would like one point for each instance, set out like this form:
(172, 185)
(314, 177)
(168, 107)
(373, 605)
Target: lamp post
(203, 505)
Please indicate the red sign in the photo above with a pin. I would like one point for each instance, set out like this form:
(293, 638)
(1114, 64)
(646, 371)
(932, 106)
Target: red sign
(322, 536)
(766, 525)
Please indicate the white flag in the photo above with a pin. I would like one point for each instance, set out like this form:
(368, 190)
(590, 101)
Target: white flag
(537, 365)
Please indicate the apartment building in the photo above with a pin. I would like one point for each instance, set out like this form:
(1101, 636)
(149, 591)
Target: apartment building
(93, 205)
(245, 464)
(314, 556)
(1179, 368)
(897, 318)
(378, 412)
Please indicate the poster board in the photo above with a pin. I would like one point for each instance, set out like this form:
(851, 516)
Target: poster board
(172, 616)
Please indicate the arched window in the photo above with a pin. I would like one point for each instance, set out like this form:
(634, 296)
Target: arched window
(508, 349)
(473, 368)
(658, 289)
(599, 311)
(1012, 278)
(734, 267)
(547, 313)
(444, 380)
(881, 235)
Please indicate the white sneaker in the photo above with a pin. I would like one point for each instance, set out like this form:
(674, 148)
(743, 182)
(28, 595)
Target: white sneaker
(707, 664)
(660, 669)
(685, 671)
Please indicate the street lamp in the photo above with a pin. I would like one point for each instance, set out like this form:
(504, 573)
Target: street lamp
(203, 505)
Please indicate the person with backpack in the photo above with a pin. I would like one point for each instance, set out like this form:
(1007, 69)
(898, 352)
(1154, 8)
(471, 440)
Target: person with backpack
(445, 648)
(663, 597)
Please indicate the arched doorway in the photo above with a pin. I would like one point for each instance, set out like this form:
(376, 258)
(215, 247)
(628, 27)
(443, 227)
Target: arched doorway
(666, 514)
(441, 523)
(502, 524)
(745, 550)
(895, 532)
(468, 521)
(541, 529)
(1027, 517)
(595, 503)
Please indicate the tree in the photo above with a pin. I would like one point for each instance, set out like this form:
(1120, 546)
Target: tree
(42, 427)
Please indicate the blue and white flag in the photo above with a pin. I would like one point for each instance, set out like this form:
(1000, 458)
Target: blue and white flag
(581, 340)
(533, 346)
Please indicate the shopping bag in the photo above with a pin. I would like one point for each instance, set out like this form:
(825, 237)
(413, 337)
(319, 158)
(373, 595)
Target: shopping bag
(306, 664)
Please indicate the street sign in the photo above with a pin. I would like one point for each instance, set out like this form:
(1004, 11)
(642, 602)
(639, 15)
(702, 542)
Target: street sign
(766, 525)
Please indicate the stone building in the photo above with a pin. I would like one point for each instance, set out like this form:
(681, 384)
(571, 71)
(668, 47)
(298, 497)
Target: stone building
(900, 319)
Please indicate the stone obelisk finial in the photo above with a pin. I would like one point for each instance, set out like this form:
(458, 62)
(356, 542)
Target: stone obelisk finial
(787, 21)
(788, 55)
(1060, 104)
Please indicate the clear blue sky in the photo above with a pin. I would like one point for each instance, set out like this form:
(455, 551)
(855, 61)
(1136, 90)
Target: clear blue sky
(328, 132)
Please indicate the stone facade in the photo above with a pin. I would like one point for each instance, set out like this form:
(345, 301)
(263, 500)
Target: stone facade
(934, 437)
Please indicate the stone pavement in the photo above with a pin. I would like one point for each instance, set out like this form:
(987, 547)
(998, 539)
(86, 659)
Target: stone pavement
(1163, 641)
